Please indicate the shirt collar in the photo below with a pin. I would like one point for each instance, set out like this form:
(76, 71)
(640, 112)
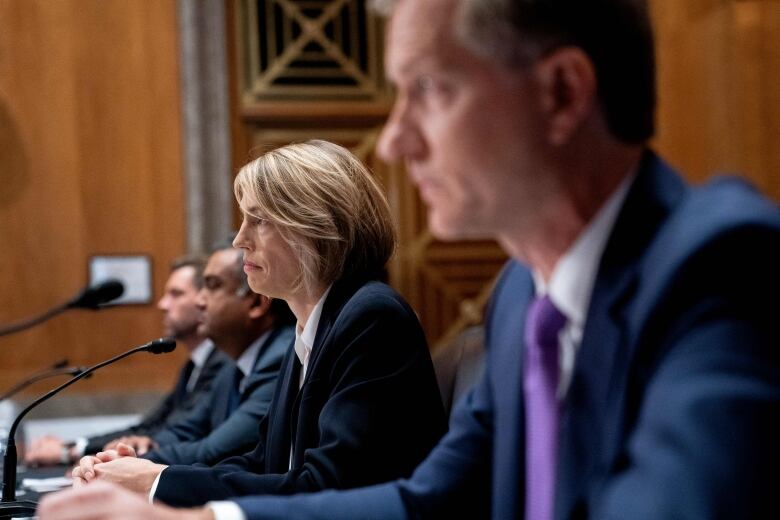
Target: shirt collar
(201, 353)
(304, 338)
(246, 361)
(571, 283)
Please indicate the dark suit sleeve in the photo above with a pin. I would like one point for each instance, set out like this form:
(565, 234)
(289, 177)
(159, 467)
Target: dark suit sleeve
(381, 416)
(207, 439)
(196, 424)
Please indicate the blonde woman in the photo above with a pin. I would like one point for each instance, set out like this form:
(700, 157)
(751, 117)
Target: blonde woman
(356, 402)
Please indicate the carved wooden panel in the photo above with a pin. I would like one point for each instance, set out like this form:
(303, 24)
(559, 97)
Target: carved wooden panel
(310, 49)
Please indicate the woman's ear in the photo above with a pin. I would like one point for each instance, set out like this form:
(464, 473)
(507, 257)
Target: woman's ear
(567, 85)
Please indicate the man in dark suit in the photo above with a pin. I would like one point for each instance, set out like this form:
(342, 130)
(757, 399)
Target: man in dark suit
(255, 333)
(632, 367)
(181, 319)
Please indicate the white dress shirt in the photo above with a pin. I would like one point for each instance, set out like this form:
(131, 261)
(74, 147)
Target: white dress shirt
(571, 284)
(199, 356)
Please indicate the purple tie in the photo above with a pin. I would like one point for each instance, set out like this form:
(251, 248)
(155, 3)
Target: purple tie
(540, 383)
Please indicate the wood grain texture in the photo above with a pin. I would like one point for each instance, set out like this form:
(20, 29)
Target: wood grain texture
(90, 163)
(718, 76)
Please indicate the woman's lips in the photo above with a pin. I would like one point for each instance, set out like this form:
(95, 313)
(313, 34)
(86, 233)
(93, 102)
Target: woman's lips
(249, 266)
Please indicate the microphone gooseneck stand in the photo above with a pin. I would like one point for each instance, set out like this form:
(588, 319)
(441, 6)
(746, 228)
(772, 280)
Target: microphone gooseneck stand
(9, 506)
(89, 298)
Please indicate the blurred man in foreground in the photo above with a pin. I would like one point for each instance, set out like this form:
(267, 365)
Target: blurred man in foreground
(632, 369)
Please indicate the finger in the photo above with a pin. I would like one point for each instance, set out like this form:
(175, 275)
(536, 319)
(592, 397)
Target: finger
(87, 467)
(125, 450)
(107, 456)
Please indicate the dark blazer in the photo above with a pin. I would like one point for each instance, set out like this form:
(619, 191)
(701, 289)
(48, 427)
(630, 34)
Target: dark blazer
(369, 409)
(673, 405)
(173, 407)
(208, 434)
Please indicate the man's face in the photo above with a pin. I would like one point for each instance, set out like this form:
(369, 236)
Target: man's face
(180, 314)
(224, 310)
(468, 130)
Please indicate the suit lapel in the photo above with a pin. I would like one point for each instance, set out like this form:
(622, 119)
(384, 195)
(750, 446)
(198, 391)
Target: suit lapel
(341, 291)
(279, 432)
(593, 417)
(505, 343)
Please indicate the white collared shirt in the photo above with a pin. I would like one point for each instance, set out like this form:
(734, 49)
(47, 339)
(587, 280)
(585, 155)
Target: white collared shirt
(246, 361)
(304, 336)
(571, 283)
(199, 356)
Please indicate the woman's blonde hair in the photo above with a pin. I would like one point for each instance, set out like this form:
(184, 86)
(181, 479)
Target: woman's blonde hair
(326, 205)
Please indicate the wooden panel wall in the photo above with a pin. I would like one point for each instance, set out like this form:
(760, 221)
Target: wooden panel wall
(90, 163)
(718, 78)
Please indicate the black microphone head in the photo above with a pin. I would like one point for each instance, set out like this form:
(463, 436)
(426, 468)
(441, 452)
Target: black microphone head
(95, 296)
(161, 346)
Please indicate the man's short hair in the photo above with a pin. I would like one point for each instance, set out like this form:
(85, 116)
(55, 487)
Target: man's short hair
(197, 262)
(615, 34)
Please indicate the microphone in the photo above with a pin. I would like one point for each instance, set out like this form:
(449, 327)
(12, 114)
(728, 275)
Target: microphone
(97, 295)
(57, 369)
(9, 506)
(90, 298)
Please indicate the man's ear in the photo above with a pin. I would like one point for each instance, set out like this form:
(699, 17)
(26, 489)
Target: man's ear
(260, 306)
(567, 85)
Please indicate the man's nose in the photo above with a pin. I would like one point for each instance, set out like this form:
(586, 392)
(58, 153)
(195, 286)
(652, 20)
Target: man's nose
(400, 138)
(200, 299)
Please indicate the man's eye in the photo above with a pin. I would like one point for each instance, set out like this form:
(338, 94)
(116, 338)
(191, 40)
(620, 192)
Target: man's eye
(425, 83)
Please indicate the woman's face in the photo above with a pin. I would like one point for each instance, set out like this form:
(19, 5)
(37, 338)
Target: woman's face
(271, 266)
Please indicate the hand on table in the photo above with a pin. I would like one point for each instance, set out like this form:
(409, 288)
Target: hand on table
(44, 451)
(120, 466)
